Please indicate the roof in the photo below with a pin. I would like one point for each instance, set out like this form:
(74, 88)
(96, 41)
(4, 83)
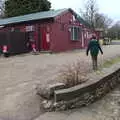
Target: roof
(38, 16)
(33, 16)
(82, 21)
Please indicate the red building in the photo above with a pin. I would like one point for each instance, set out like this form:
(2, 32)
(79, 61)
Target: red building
(55, 30)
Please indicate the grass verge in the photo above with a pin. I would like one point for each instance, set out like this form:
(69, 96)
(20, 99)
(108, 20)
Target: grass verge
(109, 63)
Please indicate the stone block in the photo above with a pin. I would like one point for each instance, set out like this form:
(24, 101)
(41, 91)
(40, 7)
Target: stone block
(47, 91)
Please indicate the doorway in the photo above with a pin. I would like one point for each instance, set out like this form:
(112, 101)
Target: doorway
(45, 39)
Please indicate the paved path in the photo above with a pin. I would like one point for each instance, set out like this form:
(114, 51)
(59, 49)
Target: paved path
(116, 42)
(19, 75)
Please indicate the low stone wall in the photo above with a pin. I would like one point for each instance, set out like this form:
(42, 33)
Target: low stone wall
(86, 93)
(97, 87)
(79, 96)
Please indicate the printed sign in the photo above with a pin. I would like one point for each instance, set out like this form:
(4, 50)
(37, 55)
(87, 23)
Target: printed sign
(48, 37)
(30, 28)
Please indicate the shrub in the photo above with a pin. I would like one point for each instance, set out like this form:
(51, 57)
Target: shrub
(74, 74)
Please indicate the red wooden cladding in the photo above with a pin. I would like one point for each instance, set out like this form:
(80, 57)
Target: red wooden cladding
(56, 35)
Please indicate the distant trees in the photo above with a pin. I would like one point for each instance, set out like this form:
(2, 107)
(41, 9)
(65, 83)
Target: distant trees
(114, 31)
(102, 21)
(93, 17)
(22, 7)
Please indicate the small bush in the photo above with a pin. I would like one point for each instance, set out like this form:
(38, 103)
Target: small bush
(73, 74)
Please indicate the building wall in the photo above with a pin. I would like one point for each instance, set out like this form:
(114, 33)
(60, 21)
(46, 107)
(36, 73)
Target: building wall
(22, 28)
(61, 34)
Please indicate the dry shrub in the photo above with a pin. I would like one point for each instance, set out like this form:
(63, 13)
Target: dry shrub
(74, 74)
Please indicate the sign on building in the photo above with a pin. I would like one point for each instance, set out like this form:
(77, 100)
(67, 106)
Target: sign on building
(30, 28)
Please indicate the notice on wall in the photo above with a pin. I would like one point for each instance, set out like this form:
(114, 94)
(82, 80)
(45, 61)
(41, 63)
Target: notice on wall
(30, 28)
(48, 37)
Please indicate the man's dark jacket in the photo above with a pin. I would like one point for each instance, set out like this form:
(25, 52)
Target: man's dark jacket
(94, 47)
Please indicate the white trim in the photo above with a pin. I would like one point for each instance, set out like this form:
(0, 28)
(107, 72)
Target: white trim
(73, 33)
(83, 39)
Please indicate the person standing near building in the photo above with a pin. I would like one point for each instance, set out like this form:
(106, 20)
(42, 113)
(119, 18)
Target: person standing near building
(33, 47)
(94, 48)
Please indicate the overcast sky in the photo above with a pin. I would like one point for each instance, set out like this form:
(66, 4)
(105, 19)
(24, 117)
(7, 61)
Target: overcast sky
(108, 7)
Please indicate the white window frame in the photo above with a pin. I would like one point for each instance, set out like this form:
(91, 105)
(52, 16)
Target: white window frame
(73, 37)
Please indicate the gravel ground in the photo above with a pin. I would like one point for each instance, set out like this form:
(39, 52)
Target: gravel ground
(20, 74)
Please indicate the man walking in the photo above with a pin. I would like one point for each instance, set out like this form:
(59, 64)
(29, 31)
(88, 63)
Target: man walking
(94, 48)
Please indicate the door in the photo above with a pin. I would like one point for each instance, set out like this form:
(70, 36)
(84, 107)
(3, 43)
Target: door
(45, 39)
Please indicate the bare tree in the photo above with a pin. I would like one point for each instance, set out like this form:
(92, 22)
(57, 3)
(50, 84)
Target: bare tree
(93, 17)
(2, 8)
(90, 10)
(102, 21)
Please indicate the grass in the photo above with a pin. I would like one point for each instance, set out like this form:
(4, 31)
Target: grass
(109, 63)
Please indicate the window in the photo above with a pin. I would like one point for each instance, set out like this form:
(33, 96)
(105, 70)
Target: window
(75, 33)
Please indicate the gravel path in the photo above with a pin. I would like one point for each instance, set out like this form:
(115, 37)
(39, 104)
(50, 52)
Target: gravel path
(20, 74)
